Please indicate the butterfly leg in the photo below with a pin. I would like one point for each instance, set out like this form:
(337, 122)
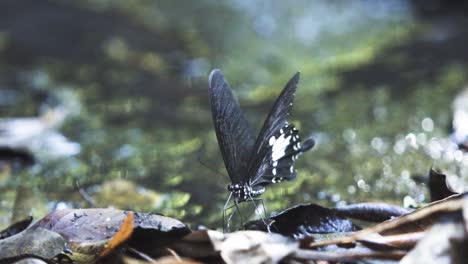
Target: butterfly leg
(226, 224)
(256, 206)
(264, 212)
(228, 221)
(236, 203)
(269, 223)
(263, 206)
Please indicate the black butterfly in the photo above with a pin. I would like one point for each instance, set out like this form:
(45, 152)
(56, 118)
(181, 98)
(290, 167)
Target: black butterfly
(254, 163)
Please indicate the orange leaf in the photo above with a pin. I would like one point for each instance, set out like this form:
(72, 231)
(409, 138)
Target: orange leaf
(121, 236)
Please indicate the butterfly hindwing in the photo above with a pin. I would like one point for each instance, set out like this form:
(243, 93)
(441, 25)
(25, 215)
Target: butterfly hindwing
(275, 126)
(234, 134)
(284, 148)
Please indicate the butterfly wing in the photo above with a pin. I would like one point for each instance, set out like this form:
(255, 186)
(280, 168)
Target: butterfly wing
(278, 163)
(235, 137)
(278, 145)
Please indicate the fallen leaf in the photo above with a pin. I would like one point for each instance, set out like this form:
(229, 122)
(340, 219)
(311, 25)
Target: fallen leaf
(163, 260)
(88, 231)
(371, 212)
(252, 246)
(416, 221)
(35, 242)
(438, 186)
(15, 228)
(196, 245)
(120, 237)
(156, 232)
(443, 243)
(345, 256)
(401, 241)
(304, 220)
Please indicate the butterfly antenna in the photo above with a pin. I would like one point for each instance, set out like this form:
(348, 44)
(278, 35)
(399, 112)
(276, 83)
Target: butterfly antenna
(208, 167)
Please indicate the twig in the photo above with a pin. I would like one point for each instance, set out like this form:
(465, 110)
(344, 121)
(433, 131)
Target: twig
(450, 204)
(302, 254)
(141, 255)
(84, 194)
(174, 254)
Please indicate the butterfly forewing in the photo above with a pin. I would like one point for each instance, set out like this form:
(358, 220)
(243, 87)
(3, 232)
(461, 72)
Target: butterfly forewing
(235, 137)
(275, 128)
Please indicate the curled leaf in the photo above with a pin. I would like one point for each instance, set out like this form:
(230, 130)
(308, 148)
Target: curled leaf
(401, 241)
(304, 220)
(15, 228)
(416, 221)
(371, 212)
(438, 186)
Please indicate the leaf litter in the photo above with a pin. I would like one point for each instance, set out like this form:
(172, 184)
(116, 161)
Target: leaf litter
(308, 233)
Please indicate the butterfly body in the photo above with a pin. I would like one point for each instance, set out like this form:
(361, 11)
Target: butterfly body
(253, 163)
(243, 191)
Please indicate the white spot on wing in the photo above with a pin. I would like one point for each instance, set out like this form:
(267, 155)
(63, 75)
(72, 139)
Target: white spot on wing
(278, 149)
(272, 140)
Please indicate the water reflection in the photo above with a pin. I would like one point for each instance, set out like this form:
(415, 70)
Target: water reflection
(377, 82)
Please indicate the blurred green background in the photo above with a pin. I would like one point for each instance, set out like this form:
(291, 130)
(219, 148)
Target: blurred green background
(378, 79)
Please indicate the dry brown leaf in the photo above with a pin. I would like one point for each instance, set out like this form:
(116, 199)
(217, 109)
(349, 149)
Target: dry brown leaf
(252, 246)
(120, 237)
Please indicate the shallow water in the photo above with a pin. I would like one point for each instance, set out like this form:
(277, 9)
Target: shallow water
(378, 80)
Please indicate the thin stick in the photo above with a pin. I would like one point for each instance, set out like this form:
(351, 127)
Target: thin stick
(449, 204)
(174, 254)
(350, 256)
(141, 255)
(83, 193)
